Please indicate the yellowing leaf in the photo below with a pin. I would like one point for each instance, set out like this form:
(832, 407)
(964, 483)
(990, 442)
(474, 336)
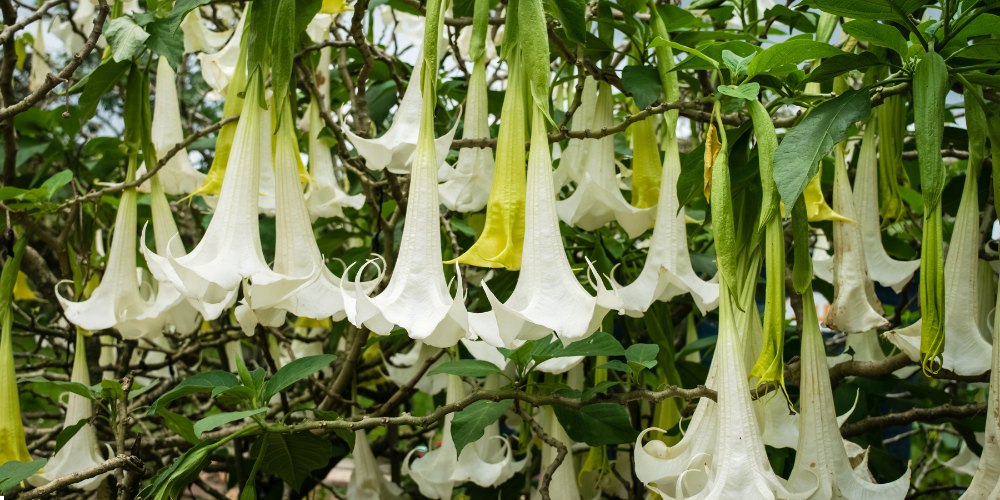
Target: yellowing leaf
(334, 7)
(22, 290)
(816, 207)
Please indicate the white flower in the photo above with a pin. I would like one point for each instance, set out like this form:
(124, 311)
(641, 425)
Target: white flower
(230, 251)
(118, 302)
(855, 307)
(367, 480)
(986, 482)
(83, 18)
(547, 297)
(39, 65)
(965, 462)
(821, 452)
(403, 366)
(882, 268)
(667, 271)
(966, 351)
(563, 482)
(82, 451)
(178, 176)
(466, 186)
(597, 199)
(218, 68)
(197, 36)
(178, 313)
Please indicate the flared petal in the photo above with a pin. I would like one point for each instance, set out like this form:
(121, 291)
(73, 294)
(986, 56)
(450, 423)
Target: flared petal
(855, 307)
(324, 195)
(217, 68)
(986, 482)
(197, 36)
(401, 368)
(367, 480)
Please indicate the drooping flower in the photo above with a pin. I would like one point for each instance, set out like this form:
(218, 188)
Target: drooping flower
(83, 19)
(647, 170)
(816, 206)
(855, 307)
(466, 186)
(117, 302)
(882, 268)
(82, 451)
(230, 251)
(986, 482)
(821, 450)
(417, 297)
(219, 67)
(563, 482)
(197, 36)
(178, 314)
(367, 480)
(13, 446)
(178, 176)
(597, 199)
(402, 367)
(39, 65)
(965, 462)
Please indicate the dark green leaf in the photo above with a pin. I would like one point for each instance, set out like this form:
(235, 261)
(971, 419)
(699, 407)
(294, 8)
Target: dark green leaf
(642, 354)
(469, 424)
(292, 457)
(295, 371)
(12, 473)
(97, 84)
(179, 424)
(883, 10)
(790, 52)
(283, 40)
(465, 368)
(798, 156)
(747, 91)
(58, 386)
(67, 433)
(982, 50)
(876, 33)
(598, 424)
(598, 344)
(616, 365)
(202, 382)
(572, 16)
(57, 181)
(126, 38)
(643, 82)
(838, 65)
(216, 419)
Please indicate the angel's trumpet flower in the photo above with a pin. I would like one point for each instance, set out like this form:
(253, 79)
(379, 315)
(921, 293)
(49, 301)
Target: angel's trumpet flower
(266, 299)
(210, 275)
(855, 307)
(83, 20)
(547, 296)
(402, 367)
(439, 470)
(417, 297)
(466, 186)
(966, 462)
(986, 482)
(198, 38)
(219, 68)
(502, 240)
(890, 119)
(82, 451)
(647, 170)
(367, 480)
(882, 268)
(39, 65)
(667, 271)
(820, 452)
(563, 481)
(324, 195)
(597, 199)
(395, 150)
(13, 446)
(179, 314)
(966, 351)
(117, 301)
(178, 176)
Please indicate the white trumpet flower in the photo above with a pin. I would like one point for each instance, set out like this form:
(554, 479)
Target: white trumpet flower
(324, 195)
(965, 462)
(83, 18)
(118, 302)
(597, 199)
(367, 480)
(197, 36)
(667, 271)
(821, 452)
(882, 268)
(267, 298)
(466, 186)
(82, 451)
(178, 313)
(547, 297)
(966, 351)
(417, 297)
(39, 65)
(487, 462)
(563, 483)
(178, 176)
(855, 307)
(986, 482)
(218, 67)
(230, 251)
(721, 454)
(402, 367)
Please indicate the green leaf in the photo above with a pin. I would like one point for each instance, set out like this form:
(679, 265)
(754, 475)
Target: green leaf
(283, 40)
(202, 382)
(838, 65)
(737, 64)
(292, 457)
(790, 52)
(217, 419)
(126, 38)
(598, 344)
(67, 433)
(615, 365)
(598, 424)
(747, 91)
(882, 10)
(13, 473)
(876, 33)
(40, 384)
(697, 345)
(798, 156)
(165, 35)
(572, 16)
(660, 42)
(295, 371)
(98, 84)
(983, 50)
(469, 424)
(179, 424)
(57, 181)
(643, 82)
(465, 368)
(642, 354)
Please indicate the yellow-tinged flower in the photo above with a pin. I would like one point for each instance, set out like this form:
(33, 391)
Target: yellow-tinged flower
(197, 36)
(82, 451)
(647, 170)
(816, 206)
(502, 240)
(223, 66)
(23, 290)
(334, 7)
(13, 446)
(597, 200)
